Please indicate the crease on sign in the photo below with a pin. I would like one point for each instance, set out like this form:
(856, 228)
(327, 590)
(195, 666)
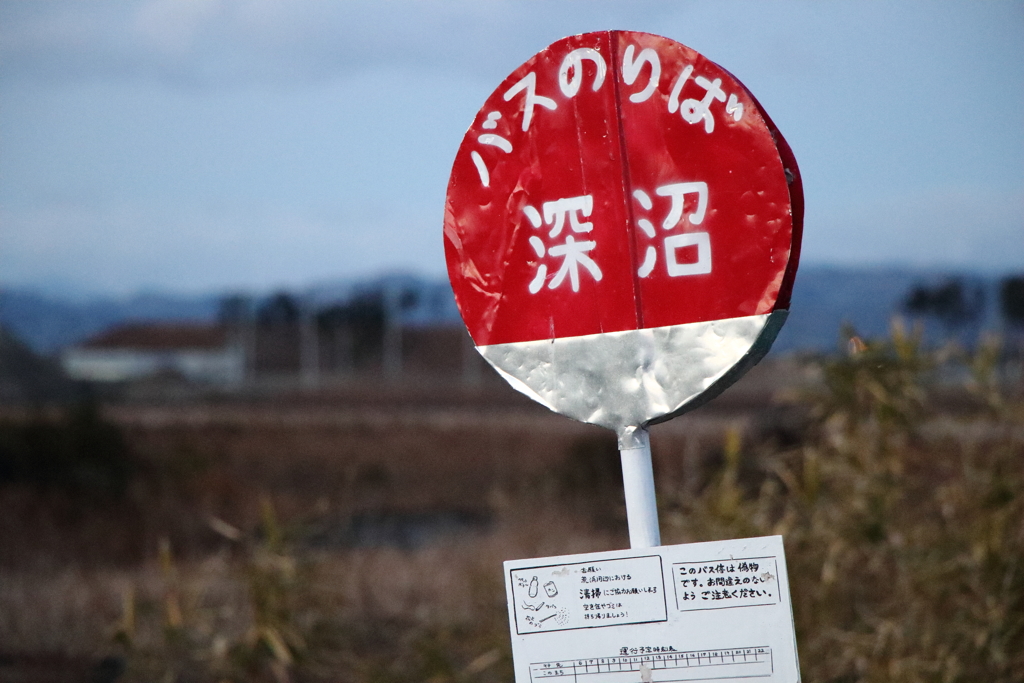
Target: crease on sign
(494, 288)
(467, 267)
(653, 373)
(450, 233)
(796, 199)
(627, 184)
(770, 294)
(762, 344)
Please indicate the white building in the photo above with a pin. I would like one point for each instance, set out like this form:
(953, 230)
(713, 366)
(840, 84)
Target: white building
(196, 352)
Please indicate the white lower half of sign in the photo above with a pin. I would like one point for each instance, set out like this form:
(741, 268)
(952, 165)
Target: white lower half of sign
(627, 380)
(695, 612)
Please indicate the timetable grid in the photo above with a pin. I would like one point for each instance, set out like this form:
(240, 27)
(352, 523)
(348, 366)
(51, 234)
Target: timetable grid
(666, 667)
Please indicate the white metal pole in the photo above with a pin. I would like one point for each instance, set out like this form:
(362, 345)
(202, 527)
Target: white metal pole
(638, 481)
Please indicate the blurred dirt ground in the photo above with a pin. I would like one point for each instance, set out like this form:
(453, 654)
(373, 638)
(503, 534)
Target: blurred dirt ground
(357, 532)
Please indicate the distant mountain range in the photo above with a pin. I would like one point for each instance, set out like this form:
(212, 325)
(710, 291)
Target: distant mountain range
(827, 299)
(46, 323)
(824, 300)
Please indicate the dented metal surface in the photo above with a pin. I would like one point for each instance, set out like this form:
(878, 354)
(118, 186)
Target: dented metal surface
(625, 380)
(622, 229)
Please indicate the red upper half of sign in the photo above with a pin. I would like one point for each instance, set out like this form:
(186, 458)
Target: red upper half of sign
(619, 181)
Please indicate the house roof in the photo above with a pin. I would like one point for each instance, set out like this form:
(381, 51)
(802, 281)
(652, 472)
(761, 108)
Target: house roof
(159, 336)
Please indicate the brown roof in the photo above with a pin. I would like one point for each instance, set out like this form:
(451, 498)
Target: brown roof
(159, 336)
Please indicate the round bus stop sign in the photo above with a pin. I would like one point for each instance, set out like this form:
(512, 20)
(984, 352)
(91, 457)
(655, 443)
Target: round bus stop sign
(622, 229)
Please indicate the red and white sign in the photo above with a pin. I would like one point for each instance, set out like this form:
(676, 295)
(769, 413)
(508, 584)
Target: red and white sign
(618, 182)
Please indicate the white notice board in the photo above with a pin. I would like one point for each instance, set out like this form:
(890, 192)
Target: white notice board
(696, 612)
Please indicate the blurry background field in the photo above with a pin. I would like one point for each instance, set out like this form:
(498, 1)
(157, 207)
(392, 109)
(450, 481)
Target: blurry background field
(356, 532)
(243, 436)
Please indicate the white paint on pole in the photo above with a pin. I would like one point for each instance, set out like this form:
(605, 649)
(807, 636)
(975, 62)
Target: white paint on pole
(641, 502)
(694, 612)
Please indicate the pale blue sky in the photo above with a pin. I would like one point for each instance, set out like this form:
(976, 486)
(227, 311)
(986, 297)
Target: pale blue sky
(207, 144)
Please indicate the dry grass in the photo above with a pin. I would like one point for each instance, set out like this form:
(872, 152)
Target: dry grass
(262, 608)
(904, 528)
(901, 502)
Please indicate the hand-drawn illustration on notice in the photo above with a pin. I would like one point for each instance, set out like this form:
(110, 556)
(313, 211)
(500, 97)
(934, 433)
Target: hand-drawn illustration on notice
(589, 595)
(695, 612)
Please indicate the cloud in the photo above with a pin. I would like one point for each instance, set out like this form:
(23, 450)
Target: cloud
(120, 248)
(297, 122)
(217, 42)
